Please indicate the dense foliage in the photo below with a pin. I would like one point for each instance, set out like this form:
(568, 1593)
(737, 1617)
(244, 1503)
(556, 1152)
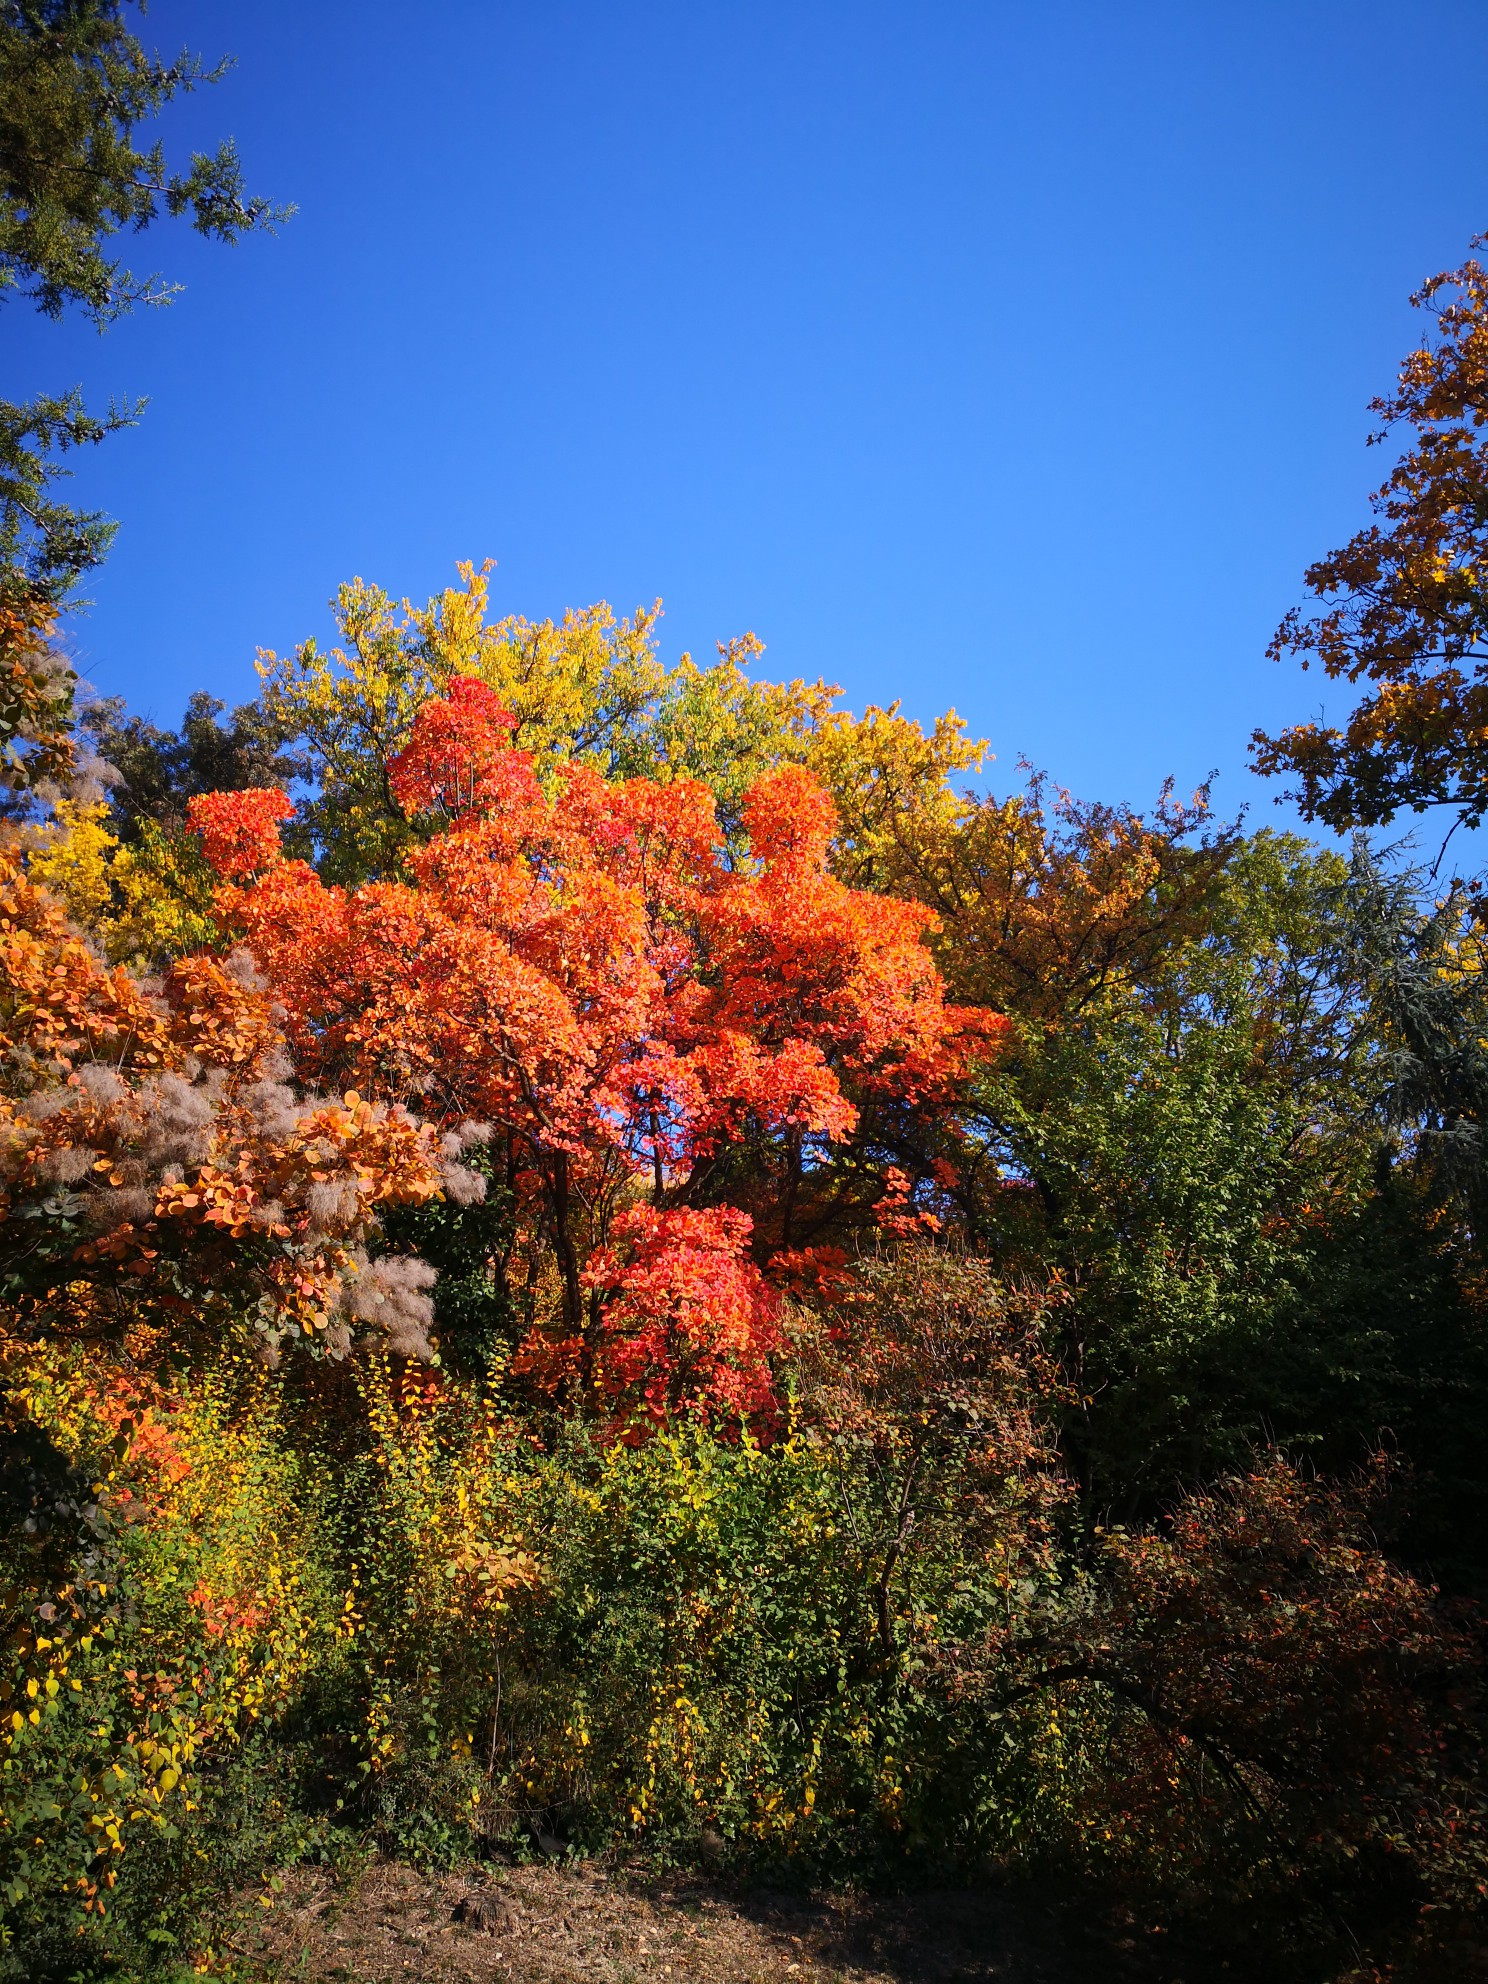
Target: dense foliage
(593, 1252)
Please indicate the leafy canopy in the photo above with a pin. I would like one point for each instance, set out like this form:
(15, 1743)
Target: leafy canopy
(632, 1011)
(587, 689)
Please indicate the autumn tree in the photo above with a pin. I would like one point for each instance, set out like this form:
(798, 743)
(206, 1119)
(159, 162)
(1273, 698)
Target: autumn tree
(634, 1013)
(1047, 904)
(1403, 603)
(162, 1186)
(1262, 1708)
(590, 689)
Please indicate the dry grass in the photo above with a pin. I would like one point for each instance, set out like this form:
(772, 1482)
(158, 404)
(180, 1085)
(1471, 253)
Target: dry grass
(618, 1925)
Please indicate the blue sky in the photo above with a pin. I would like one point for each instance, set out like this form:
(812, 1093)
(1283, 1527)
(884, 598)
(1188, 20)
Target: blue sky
(1009, 357)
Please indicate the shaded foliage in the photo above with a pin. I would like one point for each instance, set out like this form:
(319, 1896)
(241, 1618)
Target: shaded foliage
(160, 771)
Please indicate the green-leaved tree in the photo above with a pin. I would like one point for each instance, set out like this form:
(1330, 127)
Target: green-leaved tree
(76, 90)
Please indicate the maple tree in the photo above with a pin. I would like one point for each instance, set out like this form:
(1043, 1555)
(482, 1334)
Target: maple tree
(687, 1322)
(629, 1009)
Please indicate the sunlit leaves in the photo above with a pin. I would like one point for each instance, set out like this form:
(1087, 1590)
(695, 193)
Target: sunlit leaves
(239, 830)
(159, 1181)
(1403, 606)
(632, 1006)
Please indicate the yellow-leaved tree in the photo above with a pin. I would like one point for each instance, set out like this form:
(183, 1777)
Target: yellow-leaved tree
(591, 689)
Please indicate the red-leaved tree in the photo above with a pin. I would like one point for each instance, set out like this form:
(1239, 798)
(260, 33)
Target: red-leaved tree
(634, 1014)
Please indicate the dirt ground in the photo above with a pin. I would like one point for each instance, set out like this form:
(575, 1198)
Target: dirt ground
(571, 1924)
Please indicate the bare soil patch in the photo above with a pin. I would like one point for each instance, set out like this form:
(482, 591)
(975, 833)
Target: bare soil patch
(619, 1925)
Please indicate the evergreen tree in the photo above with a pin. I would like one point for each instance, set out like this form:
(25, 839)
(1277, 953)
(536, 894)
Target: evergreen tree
(76, 86)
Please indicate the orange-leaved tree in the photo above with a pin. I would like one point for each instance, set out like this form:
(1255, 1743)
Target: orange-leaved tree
(635, 1012)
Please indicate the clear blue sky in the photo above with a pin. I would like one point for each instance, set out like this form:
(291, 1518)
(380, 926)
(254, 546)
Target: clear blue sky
(1006, 356)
